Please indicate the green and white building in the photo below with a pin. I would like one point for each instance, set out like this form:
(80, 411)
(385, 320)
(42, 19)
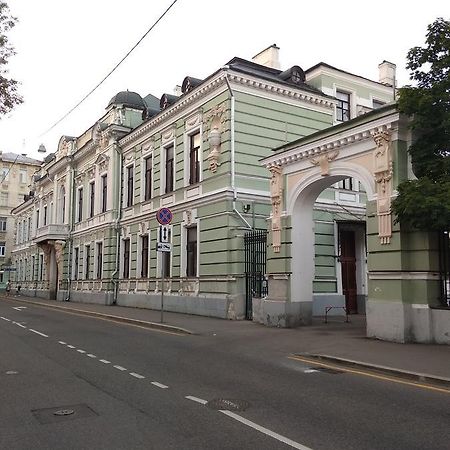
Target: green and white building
(93, 210)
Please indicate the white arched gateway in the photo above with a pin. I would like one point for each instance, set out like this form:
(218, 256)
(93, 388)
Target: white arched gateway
(399, 281)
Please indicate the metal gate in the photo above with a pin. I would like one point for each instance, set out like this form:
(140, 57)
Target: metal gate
(255, 245)
(444, 267)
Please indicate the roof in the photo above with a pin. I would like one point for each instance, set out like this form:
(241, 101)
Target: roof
(343, 71)
(127, 98)
(267, 73)
(18, 158)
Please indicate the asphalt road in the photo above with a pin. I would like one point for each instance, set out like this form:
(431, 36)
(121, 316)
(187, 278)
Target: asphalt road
(116, 386)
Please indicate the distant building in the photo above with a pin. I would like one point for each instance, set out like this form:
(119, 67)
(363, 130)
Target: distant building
(16, 171)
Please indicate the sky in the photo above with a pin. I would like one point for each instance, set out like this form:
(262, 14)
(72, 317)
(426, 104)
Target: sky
(64, 48)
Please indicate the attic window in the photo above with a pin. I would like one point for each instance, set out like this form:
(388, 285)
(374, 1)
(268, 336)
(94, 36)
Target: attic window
(293, 75)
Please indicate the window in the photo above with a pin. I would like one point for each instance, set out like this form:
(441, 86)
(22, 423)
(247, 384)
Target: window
(45, 215)
(126, 258)
(33, 265)
(191, 251)
(104, 192)
(4, 199)
(91, 199)
(80, 204)
(23, 176)
(63, 205)
(25, 268)
(87, 262)
(377, 103)
(194, 163)
(130, 185)
(2, 248)
(144, 256)
(3, 221)
(76, 254)
(169, 169)
(99, 273)
(343, 106)
(41, 267)
(4, 174)
(37, 219)
(346, 184)
(29, 228)
(148, 178)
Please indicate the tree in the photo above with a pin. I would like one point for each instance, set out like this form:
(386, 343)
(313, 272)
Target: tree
(9, 97)
(425, 203)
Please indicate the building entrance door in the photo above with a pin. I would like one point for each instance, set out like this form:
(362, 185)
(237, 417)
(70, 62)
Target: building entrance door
(348, 268)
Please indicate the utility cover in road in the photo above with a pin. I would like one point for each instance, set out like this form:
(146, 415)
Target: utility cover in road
(164, 216)
(163, 247)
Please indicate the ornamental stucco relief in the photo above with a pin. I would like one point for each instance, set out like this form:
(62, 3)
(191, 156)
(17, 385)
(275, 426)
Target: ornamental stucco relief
(213, 127)
(382, 172)
(323, 161)
(276, 192)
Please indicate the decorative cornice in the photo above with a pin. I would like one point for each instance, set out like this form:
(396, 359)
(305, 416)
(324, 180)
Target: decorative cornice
(201, 91)
(330, 143)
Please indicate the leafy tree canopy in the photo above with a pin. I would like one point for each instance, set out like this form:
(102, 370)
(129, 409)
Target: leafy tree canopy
(425, 203)
(8, 87)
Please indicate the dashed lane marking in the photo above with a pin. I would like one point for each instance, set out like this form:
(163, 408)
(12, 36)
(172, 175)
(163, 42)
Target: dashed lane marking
(105, 361)
(71, 346)
(266, 431)
(120, 368)
(4, 318)
(81, 351)
(90, 355)
(196, 399)
(38, 332)
(160, 385)
(62, 342)
(19, 324)
(136, 375)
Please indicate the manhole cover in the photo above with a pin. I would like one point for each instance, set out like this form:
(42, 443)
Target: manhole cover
(228, 405)
(63, 413)
(328, 370)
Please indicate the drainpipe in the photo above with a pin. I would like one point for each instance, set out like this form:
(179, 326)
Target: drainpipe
(233, 176)
(117, 225)
(71, 208)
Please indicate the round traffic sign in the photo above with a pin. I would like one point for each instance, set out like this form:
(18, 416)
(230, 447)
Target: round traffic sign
(164, 216)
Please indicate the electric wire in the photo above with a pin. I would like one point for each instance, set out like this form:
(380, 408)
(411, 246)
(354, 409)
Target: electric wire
(112, 70)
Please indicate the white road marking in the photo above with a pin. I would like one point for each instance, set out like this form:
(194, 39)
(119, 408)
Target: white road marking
(19, 324)
(196, 399)
(310, 371)
(4, 318)
(136, 375)
(160, 385)
(81, 351)
(62, 342)
(19, 308)
(91, 355)
(105, 361)
(257, 427)
(38, 332)
(70, 346)
(120, 368)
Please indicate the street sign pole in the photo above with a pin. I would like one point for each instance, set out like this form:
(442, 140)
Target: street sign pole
(164, 217)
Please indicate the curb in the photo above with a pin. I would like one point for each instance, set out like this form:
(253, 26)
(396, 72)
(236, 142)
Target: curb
(119, 319)
(416, 376)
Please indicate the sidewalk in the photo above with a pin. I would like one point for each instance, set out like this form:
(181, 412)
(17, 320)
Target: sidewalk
(335, 342)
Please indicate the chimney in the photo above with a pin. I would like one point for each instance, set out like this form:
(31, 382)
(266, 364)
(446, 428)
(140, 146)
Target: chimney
(268, 57)
(387, 73)
(177, 90)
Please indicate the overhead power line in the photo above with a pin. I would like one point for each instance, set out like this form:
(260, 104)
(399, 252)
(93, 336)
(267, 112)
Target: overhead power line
(112, 70)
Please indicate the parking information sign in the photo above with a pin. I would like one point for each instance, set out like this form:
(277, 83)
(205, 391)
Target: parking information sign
(164, 216)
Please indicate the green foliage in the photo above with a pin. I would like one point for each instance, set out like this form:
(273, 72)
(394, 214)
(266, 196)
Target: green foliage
(425, 203)
(9, 97)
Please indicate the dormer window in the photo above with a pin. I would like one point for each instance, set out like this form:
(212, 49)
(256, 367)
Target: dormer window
(167, 100)
(343, 106)
(294, 75)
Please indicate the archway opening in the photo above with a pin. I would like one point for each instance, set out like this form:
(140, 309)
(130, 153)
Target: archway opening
(329, 245)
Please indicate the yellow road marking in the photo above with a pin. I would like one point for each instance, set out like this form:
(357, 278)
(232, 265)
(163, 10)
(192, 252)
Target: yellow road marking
(372, 375)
